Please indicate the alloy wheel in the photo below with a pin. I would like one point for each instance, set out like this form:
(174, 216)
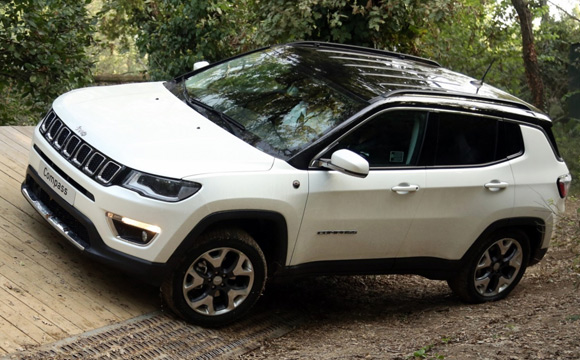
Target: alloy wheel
(218, 281)
(498, 267)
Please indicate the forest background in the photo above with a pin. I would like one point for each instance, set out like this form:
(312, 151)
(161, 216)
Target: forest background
(48, 47)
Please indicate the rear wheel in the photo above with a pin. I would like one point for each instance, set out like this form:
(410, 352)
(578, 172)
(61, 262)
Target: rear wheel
(219, 280)
(493, 268)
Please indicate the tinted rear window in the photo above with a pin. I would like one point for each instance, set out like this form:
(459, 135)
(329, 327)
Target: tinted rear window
(472, 140)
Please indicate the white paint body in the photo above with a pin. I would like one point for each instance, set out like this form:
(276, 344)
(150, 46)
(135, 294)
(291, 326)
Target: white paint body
(163, 136)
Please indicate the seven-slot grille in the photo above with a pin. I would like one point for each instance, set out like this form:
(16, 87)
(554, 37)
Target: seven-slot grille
(78, 152)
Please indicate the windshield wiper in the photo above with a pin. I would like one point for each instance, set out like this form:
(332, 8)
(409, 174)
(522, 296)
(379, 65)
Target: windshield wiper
(223, 117)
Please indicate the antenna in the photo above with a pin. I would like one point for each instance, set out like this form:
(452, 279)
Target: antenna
(479, 83)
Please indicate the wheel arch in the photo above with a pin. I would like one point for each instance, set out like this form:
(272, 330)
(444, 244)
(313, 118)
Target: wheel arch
(267, 228)
(534, 228)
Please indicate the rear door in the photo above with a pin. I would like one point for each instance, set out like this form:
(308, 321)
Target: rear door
(468, 186)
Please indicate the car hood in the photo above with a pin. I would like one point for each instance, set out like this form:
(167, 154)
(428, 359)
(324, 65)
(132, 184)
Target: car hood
(145, 127)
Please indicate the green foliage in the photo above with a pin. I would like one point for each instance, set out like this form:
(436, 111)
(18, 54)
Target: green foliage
(204, 30)
(567, 132)
(553, 39)
(113, 50)
(553, 45)
(476, 34)
(42, 54)
(214, 29)
(385, 24)
(426, 353)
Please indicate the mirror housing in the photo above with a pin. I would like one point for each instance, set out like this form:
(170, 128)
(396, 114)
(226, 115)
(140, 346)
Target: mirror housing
(347, 162)
(200, 64)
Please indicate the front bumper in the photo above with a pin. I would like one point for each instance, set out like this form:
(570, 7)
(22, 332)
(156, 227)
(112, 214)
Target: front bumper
(81, 232)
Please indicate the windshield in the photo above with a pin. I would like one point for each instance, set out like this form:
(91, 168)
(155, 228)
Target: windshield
(281, 105)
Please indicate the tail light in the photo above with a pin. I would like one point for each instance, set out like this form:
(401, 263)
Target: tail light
(563, 183)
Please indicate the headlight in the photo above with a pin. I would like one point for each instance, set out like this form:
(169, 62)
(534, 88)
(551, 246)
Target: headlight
(160, 188)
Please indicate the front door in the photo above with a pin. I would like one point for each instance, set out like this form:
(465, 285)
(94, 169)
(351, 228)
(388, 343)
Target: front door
(366, 218)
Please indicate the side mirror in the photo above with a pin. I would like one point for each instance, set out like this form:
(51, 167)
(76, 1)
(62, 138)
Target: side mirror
(347, 162)
(200, 64)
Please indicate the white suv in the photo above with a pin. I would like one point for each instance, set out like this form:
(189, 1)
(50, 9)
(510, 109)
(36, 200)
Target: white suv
(304, 158)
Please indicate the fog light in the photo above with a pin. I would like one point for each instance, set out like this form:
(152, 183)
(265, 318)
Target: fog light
(133, 230)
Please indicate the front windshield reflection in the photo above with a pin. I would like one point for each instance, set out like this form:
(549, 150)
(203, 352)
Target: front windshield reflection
(278, 100)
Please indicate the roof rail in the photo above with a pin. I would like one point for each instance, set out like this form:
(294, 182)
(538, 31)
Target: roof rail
(516, 104)
(329, 45)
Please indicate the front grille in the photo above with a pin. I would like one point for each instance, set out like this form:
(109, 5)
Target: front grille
(72, 144)
(78, 152)
(109, 170)
(94, 163)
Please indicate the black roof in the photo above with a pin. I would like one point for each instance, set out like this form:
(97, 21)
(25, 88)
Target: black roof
(374, 74)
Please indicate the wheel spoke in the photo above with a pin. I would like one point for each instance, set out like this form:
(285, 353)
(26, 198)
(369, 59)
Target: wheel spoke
(236, 297)
(503, 282)
(485, 261)
(195, 276)
(481, 284)
(243, 266)
(504, 246)
(516, 260)
(216, 257)
(204, 305)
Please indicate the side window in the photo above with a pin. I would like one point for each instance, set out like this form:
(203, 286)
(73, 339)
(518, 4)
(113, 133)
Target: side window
(472, 140)
(390, 139)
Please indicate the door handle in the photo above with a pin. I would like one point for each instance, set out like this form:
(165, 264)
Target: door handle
(404, 188)
(496, 185)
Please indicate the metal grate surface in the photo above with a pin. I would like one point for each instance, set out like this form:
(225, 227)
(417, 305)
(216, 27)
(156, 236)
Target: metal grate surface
(161, 336)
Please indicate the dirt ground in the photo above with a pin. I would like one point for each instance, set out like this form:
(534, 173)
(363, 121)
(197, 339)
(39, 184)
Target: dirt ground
(408, 317)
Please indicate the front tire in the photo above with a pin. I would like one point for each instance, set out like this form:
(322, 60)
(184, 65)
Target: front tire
(219, 279)
(493, 268)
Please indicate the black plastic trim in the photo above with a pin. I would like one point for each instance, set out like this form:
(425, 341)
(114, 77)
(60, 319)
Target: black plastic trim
(251, 221)
(340, 267)
(429, 267)
(537, 256)
(531, 226)
(146, 271)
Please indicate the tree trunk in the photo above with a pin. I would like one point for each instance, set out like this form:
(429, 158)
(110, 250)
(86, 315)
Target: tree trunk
(529, 52)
